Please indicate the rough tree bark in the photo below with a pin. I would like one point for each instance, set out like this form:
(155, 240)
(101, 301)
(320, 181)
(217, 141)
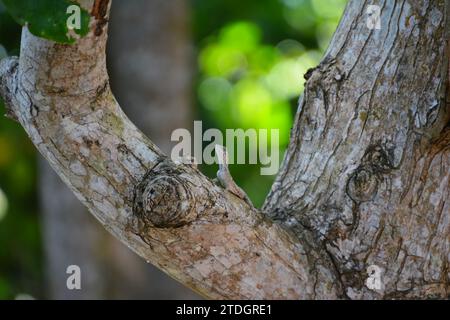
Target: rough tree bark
(157, 99)
(365, 180)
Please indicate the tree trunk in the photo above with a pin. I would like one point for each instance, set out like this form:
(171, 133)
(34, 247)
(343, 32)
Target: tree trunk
(109, 269)
(364, 184)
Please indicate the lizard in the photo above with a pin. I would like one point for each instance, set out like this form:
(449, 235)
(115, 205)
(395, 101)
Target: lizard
(224, 177)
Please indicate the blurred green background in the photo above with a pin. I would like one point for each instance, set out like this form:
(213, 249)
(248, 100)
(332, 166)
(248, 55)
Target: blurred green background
(251, 56)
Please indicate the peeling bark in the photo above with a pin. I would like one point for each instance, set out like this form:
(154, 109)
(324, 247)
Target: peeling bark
(365, 180)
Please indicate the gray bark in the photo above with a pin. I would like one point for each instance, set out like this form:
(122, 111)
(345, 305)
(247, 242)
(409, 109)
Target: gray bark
(365, 181)
(367, 172)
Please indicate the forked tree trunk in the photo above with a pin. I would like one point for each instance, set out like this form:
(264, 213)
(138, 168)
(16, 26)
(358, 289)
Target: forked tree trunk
(109, 269)
(365, 181)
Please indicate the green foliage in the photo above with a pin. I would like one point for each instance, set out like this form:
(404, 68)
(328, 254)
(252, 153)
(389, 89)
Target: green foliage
(242, 80)
(251, 65)
(47, 18)
(9, 32)
(20, 239)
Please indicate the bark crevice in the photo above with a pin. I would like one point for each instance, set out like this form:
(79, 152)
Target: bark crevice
(163, 199)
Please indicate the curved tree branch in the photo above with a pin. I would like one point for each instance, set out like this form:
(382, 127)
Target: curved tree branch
(365, 180)
(169, 214)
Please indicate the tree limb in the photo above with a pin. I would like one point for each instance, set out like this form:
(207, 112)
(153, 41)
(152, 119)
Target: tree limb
(367, 171)
(169, 214)
(365, 180)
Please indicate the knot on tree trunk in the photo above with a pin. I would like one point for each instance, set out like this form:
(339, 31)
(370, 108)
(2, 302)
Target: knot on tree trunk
(362, 186)
(163, 198)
